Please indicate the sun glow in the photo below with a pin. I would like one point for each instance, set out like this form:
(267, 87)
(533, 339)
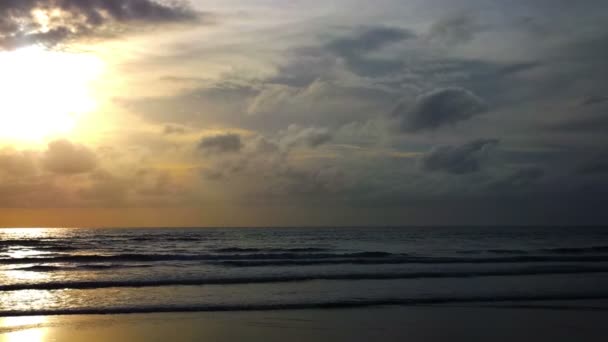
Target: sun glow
(44, 93)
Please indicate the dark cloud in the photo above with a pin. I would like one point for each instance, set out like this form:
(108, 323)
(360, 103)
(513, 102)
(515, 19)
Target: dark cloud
(51, 22)
(518, 180)
(459, 159)
(369, 40)
(455, 29)
(355, 50)
(594, 100)
(598, 165)
(302, 183)
(437, 108)
(224, 143)
(518, 67)
(588, 123)
(318, 138)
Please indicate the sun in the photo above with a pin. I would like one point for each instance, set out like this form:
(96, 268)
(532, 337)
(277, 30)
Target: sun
(44, 92)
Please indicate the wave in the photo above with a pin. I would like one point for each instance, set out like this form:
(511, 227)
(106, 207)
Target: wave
(413, 260)
(51, 245)
(302, 259)
(577, 250)
(506, 251)
(269, 250)
(557, 250)
(192, 257)
(165, 238)
(83, 285)
(338, 304)
(24, 242)
(85, 267)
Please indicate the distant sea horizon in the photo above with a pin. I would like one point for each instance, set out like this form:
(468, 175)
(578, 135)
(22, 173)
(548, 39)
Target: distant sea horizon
(344, 226)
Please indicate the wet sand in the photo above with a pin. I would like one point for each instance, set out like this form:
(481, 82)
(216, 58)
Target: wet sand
(539, 322)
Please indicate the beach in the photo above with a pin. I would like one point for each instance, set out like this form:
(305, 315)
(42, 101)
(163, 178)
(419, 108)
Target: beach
(540, 322)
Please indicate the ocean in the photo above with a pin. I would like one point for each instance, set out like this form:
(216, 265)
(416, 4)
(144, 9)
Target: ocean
(104, 271)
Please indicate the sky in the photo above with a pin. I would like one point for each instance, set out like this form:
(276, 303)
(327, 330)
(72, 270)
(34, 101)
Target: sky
(306, 113)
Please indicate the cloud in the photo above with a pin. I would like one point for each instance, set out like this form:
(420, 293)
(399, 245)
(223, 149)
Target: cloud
(594, 100)
(445, 106)
(310, 136)
(222, 103)
(17, 163)
(369, 40)
(224, 143)
(598, 165)
(355, 50)
(174, 129)
(64, 157)
(51, 22)
(106, 189)
(270, 168)
(455, 29)
(587, 123)
(272, 97)
(519, 180)
(459, 159)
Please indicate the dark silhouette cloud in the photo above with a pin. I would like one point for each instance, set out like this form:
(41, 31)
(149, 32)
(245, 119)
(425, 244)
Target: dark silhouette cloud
(459, 159)
(224, 143)
(51, 22)
(438, 108)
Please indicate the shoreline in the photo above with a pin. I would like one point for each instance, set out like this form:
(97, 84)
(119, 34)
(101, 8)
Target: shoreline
(482, 302)
(532, 321)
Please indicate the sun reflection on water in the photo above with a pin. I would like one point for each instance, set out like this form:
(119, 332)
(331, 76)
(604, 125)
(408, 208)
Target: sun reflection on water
(25, 232)
(24, 275)
(23, 329)
(24, 246)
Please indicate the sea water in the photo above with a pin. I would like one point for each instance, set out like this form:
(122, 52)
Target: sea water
(73, 271)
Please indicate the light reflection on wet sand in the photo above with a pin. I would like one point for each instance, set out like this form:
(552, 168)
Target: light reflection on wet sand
(413, 324)
(23, 329)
